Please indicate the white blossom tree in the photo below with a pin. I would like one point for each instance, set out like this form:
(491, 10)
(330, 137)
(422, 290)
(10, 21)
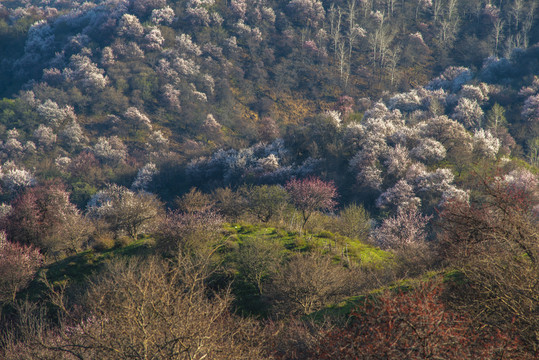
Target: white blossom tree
(429, 151)
(154, 40)
(52, 113)
(12, 145)
(157, 141)
(111, 149)
(308, 13)
(452, 78)
(130, 26)
(144, 177)
(478, 93)
(239, 8)
(397, 161)
(530, 109)
(450, 133)
(485, 145)
(524, 182)
(406, 229)
(197, 12)
(185, 44)
(39, 44)
(532, 89)
(409, 101)
(14, 178)
(45, 136)
(468, 112)
(62, 162)
(399, 197)
(172, 97)
(107, 56)
(163, 16)
(370, 176)
(434, 182)
(73, 134)
(139, 119)
(124, 210)
(143, 7)
(453, 193)
(211, 125)
(85, 72)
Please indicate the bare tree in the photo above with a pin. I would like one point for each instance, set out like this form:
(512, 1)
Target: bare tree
(310, 282)
(147, 310)
(494, 241)
(335, 17)
(497, 33)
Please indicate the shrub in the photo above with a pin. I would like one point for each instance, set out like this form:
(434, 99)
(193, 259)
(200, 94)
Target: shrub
(103, 242)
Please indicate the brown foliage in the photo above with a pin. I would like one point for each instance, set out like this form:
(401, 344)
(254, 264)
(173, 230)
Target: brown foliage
(188, 231)
(413, 324)
(229, 203)
(495, 243)
(195, 201)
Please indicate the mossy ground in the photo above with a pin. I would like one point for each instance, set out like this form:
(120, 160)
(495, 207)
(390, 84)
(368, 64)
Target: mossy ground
(340, 247)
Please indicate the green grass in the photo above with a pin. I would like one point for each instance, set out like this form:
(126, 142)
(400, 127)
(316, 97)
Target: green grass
(78, 268)
(339, 246)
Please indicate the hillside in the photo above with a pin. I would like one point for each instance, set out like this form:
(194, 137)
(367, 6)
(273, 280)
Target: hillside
(229, 179)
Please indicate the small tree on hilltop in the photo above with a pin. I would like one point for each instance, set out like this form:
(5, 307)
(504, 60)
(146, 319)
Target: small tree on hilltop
(310, 195)
(265, 201)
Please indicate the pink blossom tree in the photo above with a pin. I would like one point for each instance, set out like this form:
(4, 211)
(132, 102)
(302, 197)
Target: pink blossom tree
(310, 195)
(18, 264)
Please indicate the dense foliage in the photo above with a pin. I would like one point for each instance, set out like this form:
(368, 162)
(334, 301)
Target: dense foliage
(288, 179)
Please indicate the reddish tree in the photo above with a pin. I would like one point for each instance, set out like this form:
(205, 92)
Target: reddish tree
(44, 217)
(414, 324)
(310, 195)
(85, 167)
(345, 106)
(23, 224)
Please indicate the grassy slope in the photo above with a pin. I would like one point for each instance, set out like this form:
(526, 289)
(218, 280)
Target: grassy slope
(324, 241)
